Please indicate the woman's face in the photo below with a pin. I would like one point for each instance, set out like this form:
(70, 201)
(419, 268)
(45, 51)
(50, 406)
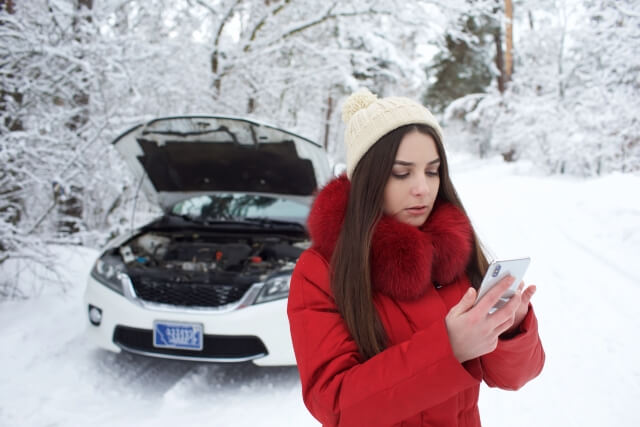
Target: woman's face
(413, 184)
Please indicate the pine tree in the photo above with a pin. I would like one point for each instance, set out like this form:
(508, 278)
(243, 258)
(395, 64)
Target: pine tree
(461, 68)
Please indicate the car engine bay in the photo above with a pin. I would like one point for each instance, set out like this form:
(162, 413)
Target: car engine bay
(204, 269)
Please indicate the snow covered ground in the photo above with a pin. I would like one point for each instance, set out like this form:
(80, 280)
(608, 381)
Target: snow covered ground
(584, 240)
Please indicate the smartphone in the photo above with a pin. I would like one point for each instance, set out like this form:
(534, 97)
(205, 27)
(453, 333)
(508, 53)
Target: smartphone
(497, 270)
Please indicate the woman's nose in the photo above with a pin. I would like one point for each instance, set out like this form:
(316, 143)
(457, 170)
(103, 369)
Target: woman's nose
(420, 186)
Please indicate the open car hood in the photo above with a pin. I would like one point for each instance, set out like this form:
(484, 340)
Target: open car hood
(180, 157)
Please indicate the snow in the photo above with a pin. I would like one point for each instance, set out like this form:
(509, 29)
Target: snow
(583, 236)
(584, 240)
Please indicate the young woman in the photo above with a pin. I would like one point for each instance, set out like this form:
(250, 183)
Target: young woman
(381, 307)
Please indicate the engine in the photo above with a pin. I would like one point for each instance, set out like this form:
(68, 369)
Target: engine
(192, 269)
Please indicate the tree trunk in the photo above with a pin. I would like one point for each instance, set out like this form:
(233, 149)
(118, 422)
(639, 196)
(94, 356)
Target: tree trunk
(11, 123)
(508, 11)
(69, 201)
(327, 121)
(81, 97)
(215, 54)
(7, 5)
(497, 37)
(217, 81)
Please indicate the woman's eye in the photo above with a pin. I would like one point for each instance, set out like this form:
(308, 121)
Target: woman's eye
(400, 175)
(432, 173)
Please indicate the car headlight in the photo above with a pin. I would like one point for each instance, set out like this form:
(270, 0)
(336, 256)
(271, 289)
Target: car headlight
(275, 288)
(107, 270)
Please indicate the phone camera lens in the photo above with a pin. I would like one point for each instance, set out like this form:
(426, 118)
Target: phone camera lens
(496, 270)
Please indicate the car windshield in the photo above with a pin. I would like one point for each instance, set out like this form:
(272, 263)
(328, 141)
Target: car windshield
(238, 206)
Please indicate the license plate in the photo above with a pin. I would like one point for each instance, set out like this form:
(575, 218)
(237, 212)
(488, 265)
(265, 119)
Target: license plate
(183, 336)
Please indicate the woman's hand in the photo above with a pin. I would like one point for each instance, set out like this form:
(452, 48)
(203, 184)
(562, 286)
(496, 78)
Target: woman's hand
(523, 308)
(474, 332)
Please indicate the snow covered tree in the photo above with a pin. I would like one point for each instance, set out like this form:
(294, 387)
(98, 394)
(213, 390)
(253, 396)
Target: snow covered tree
(571, 104)
(64, 78)
(463, 65)
(76, 73)
(288, 61)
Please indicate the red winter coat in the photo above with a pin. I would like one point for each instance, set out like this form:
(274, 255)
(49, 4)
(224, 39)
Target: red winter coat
(416, 380)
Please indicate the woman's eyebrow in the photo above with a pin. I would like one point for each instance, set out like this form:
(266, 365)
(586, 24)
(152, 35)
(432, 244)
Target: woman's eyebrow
(404, 163)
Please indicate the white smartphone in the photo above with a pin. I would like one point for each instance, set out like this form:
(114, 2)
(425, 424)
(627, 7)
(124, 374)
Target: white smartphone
(497, 270)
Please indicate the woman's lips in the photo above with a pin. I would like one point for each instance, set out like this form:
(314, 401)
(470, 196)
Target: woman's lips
(417, 210)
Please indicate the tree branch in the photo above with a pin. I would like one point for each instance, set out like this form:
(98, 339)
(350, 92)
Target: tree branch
(324, 18)
(216, 52)
(624, 11)
(207, 6)
(261, 23)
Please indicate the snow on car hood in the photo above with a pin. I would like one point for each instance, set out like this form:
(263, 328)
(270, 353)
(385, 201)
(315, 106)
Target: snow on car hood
(179, 157)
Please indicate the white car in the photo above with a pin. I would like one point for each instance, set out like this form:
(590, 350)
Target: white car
(209, 280)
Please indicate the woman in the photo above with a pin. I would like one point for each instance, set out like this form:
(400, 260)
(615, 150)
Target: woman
(381, 307)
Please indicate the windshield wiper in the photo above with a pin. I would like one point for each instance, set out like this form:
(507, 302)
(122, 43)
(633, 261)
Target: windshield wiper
(273, 222)
(260, 222)
(189, 218)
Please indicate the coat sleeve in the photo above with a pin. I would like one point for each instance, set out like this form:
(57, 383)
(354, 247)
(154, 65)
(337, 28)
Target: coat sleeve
(338, 388)
(516, 360)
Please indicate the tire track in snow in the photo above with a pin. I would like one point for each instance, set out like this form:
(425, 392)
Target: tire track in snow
(140, 375)
(601, 258)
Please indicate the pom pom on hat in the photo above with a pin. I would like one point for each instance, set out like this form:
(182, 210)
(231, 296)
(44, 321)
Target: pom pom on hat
(356, 102)
(369, 118)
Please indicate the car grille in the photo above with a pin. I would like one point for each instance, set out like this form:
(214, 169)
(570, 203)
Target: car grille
(213, 346)
(187, 294)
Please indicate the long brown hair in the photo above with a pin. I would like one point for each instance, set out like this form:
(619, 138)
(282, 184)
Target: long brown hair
(350, 263)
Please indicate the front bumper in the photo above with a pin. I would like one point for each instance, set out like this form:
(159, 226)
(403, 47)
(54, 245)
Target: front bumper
(259, 333)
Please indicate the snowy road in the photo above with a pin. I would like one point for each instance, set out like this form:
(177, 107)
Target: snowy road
(584, 241)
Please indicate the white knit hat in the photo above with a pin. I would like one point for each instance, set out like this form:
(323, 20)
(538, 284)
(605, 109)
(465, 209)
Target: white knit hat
(368, 119)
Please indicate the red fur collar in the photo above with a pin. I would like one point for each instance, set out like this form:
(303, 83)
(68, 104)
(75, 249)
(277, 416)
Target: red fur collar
(405, 260)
